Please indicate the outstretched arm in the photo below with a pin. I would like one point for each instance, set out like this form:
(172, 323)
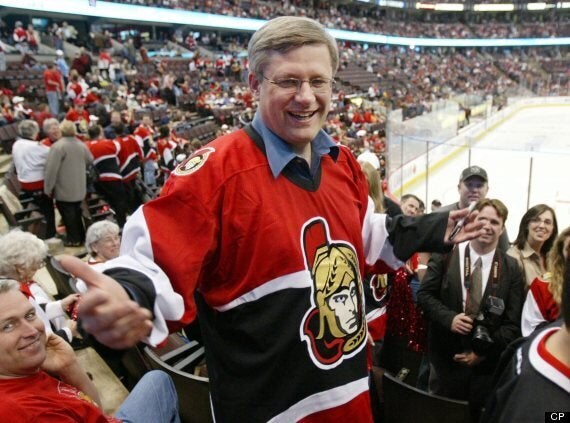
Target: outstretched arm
(106, 310)
(430, 232)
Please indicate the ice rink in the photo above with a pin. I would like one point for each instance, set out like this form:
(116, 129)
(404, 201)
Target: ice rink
(527, 158)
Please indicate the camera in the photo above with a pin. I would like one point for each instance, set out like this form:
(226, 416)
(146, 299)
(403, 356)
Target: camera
(489, 314)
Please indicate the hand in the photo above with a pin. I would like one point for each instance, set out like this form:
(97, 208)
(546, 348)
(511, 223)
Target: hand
(106, 311)
(462, 324)
(468, 358)
(70, 299)
(471, 228)
(59, 355)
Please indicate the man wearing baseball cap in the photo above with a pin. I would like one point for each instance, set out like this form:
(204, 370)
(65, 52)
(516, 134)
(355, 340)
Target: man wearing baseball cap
(474, 186)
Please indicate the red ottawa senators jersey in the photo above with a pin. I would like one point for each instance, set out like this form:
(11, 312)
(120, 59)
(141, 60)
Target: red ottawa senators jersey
(106, 159)
(272, 267)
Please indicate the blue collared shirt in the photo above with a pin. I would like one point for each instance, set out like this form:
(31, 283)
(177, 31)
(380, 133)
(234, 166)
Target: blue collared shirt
(280, 153)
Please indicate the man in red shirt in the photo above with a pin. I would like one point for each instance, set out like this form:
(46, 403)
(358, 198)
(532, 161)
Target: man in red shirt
(29, 358)
(53, 82)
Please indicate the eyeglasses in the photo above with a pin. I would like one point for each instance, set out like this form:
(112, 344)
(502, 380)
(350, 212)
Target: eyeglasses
(545, 222)
(293, 85)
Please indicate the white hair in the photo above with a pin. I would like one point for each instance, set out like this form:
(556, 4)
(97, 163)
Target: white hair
(98, 231)
(20, 249)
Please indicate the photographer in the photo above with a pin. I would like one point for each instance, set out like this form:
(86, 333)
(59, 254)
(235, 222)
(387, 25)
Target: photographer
(473, 299)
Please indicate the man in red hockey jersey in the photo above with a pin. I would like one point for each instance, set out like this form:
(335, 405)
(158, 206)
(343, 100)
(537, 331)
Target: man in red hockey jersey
(265, 234)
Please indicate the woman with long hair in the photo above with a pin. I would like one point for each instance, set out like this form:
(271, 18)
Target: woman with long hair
(537, 231)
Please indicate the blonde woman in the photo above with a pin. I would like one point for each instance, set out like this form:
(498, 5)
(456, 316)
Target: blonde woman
(542, 303)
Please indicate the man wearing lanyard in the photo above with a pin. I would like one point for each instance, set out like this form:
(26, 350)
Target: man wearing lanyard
(472, 298)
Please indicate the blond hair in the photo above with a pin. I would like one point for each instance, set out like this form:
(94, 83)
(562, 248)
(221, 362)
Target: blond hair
(555, 263)
(374, 188)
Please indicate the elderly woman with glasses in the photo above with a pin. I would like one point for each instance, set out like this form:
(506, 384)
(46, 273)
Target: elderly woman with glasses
(22, 254)
(537, 231)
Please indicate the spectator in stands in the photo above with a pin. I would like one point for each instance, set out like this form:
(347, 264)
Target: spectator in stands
(116, 127)
(109, 183)
(544, 296)
(167, 150)
(20, 110)
(474, 186)
(78, 65)
(41, 379)
(20, 37)
(65, 179)
(455, 294)
(435, 204)
(537, 231)
(62, 65)
(68, 32)
(33, 39)
(22, 254)
(75, 89)
(534, 385)
(30, 157)
(130, 161)
(42, 113)
(410, 205)
(77, 113)
(103, 64)
(405, 334)
(231, 191)
(57, 35)
(102, 241)
(52, 131)
(53, 83)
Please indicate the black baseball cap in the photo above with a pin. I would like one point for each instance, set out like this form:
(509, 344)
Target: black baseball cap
(473, 171)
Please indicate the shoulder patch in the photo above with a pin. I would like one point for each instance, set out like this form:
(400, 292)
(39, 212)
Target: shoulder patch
(194, 162)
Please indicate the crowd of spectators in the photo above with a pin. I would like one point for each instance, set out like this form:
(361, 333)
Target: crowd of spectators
(210, 81)
(375, 20)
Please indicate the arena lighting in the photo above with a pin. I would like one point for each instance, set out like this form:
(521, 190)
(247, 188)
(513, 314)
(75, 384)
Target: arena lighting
(391, 3)
(135, 13)
(563, 5)
(499, 7)
(425, 6)
(536, 6)
(450, 7)
(152, 15)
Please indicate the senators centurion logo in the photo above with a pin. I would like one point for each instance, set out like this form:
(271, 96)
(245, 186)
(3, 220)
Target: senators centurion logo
(335, 326)
(194, 162)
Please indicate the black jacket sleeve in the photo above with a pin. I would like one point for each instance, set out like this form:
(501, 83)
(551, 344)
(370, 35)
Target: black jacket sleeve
(138, 286)
(425, 233)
